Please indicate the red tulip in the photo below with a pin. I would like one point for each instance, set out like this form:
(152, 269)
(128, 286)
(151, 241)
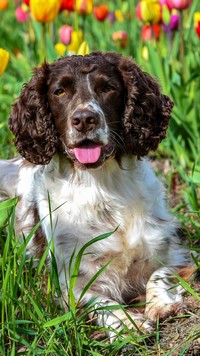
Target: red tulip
(67, 5)
(26, 2)
(197, 29)
(149, 32)
(101, 12)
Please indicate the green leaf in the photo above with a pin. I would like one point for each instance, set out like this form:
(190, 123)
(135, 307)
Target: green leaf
(6, 210)
(58, 320)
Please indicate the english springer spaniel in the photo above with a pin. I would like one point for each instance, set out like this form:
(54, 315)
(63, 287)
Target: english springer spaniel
(82, 126)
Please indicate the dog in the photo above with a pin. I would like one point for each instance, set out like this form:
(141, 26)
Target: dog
(83, 126)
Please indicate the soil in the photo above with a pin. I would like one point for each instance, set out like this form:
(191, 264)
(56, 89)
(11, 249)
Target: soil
(178, 335)
(182, 332)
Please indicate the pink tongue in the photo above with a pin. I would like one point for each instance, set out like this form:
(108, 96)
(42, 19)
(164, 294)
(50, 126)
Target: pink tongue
(87, 154)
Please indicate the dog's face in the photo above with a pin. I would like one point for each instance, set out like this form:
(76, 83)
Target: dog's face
(91, 108)
(87, 102)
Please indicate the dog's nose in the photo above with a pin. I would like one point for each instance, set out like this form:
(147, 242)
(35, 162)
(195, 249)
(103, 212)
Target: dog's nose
(84, 120)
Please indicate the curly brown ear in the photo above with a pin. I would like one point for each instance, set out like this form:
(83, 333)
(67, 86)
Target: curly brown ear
(31, 120)
(147, 111)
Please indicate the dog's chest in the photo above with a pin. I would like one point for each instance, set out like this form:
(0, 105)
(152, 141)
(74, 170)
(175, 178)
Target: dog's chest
(80, 212)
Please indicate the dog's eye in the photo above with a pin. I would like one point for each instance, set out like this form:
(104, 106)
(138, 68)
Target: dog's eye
(59, 92)
(108, 87)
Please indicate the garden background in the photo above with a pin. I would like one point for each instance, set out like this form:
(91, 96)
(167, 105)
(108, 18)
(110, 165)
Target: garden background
(163, 36)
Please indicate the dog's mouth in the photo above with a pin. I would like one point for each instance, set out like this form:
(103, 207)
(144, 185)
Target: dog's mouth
(90, 153)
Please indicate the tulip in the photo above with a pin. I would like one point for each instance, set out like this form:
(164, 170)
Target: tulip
(149, 32)
(3, 4)
(44, 11)
(121, 37)
(165, 3)
(111, 17)
(197, 29)
(67, 5)
(197, 23)
(76, 40)
(145, 53)
(119, 16)
(4, 58)
(84, 7)
(65, 34)
(60, 48)
(21, 15)
(196, 17)
(27, 2)
(174, 21)
(149, 11)
(179, 4)
(83, 49)
(101, 12)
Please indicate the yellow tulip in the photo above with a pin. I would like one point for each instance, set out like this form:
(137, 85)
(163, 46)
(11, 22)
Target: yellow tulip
(3, 4)
(119, 16)
(196, 17)
(84, 7)
(4, 58)
(83, 49)
(76, 40)
(44, 11)
(60, 48)
(149, 11)
(145, 53)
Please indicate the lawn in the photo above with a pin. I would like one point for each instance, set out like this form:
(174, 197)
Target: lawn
(167, 46)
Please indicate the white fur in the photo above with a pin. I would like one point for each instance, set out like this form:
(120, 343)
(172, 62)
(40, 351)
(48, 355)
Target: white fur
(87, 203)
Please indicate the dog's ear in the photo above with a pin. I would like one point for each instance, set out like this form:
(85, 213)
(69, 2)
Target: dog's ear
(31, 120)
(147, 110)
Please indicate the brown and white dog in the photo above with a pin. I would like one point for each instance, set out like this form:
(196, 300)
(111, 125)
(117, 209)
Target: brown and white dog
(82, 126)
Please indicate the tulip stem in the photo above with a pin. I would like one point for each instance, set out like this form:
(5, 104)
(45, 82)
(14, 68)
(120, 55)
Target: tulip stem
(182, 51)
(43, 42)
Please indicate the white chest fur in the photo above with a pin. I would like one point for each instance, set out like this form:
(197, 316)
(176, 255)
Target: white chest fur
(78, 205)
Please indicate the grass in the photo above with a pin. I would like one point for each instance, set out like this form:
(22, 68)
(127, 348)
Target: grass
(33, 321)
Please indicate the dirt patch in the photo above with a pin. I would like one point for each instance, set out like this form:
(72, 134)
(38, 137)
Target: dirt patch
(180, 335)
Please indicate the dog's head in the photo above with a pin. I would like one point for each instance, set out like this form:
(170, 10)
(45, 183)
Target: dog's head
(90, 108)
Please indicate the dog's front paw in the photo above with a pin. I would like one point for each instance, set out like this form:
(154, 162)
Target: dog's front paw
(119, 320)
(160, 310)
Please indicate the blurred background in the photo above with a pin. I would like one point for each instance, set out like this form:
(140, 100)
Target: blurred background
(163, 36)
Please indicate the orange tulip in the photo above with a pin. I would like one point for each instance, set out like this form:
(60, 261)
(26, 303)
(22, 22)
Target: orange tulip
(84, 7)
(44, 11)
(3, 4)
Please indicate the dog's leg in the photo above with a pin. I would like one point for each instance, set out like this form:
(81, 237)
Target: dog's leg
(115, 318)
(111, 315)
(164, 293)
(9, 170)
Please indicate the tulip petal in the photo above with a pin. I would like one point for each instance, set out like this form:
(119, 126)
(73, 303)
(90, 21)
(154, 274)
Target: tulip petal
(4, 58)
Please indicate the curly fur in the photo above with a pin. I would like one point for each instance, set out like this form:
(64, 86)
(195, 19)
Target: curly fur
(145, 118)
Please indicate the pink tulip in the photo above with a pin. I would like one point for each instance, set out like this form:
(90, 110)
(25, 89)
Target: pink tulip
(21, 15)
(179, 4)
(65, 34)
